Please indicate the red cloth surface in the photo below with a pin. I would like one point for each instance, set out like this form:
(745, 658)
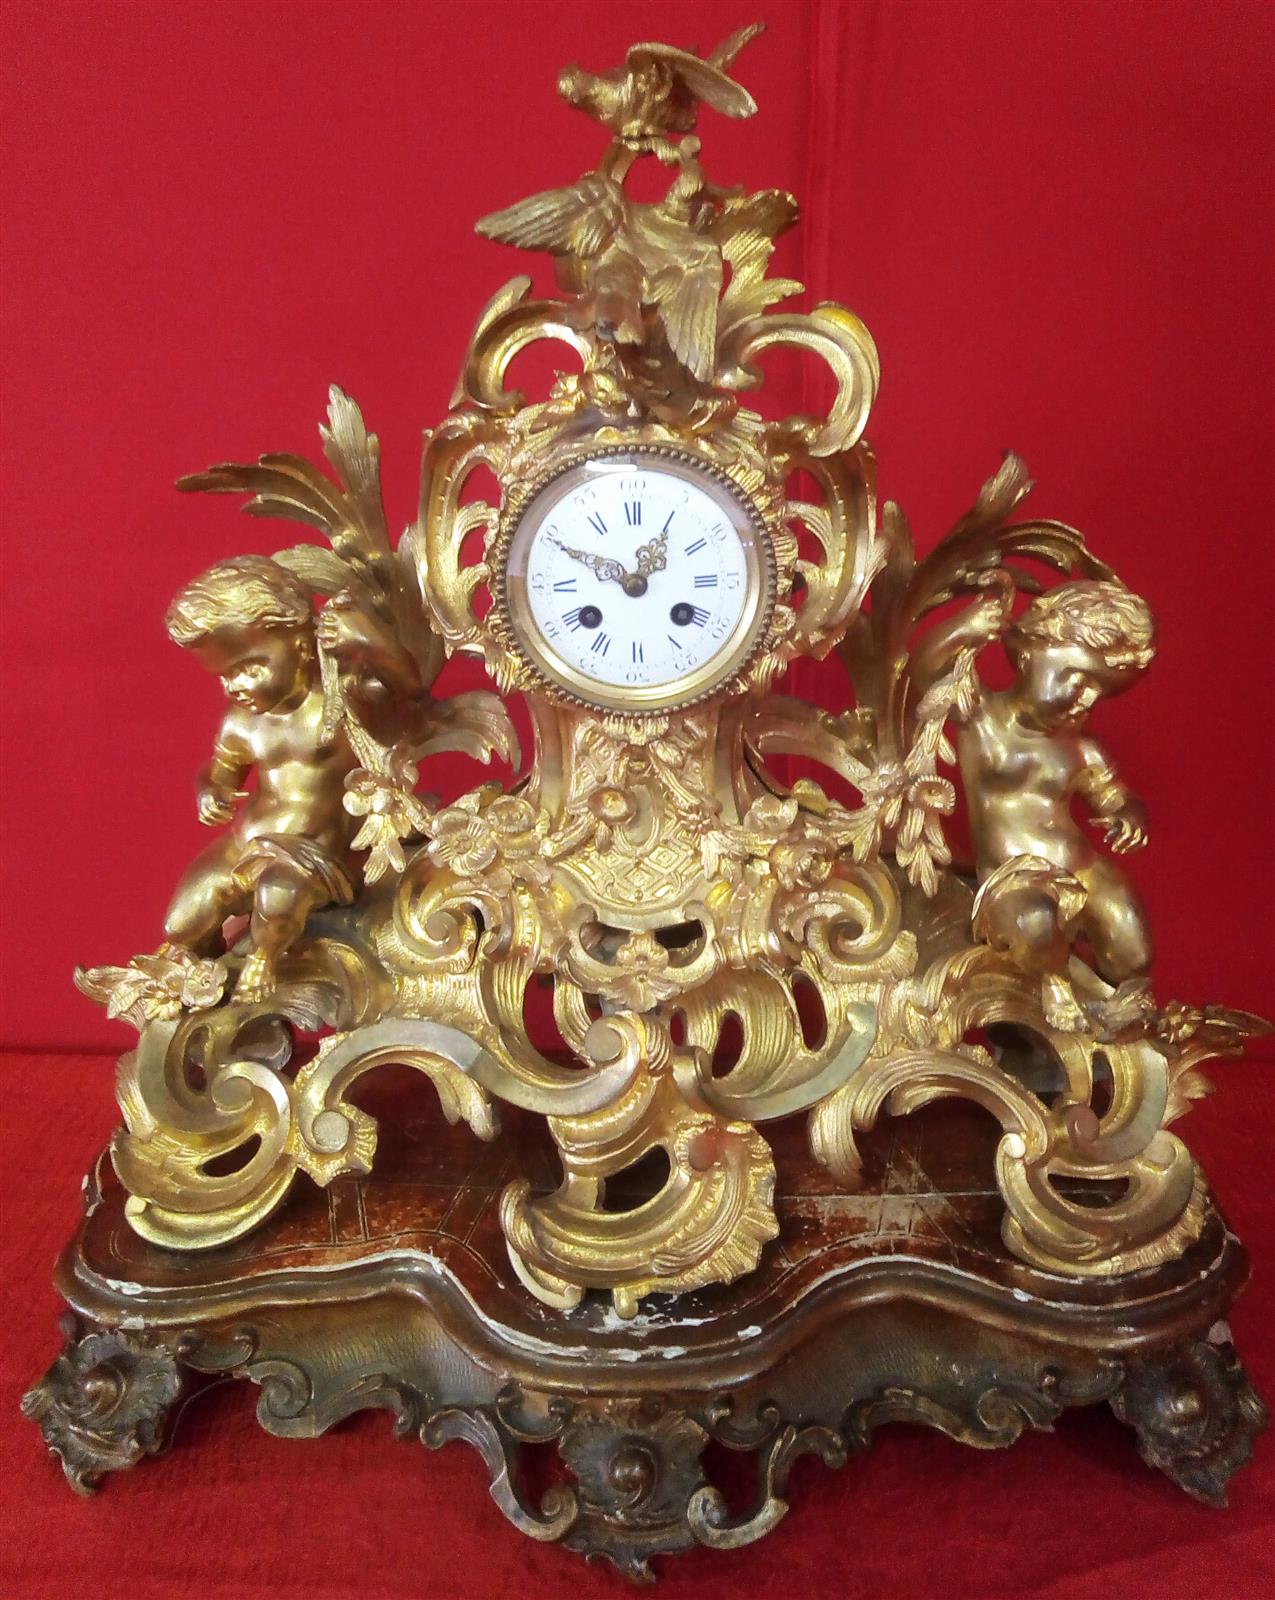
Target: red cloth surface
(233, 1514)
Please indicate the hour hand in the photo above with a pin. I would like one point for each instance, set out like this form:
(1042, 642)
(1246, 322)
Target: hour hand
(603, 566)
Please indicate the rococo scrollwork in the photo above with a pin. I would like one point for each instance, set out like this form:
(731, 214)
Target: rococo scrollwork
(729, 938)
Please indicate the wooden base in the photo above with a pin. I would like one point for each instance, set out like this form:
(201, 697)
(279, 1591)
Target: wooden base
(897, 1303)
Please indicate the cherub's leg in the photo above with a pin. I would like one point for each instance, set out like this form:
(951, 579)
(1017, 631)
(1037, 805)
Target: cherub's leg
(1115, 924)
(282, 900)
(205, 897)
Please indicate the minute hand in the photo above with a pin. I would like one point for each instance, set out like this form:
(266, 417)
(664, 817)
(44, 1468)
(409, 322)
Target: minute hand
(652, 557)
(602, 565)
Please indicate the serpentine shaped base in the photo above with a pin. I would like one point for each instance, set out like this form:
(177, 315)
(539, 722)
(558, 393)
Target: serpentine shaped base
(898, 1303)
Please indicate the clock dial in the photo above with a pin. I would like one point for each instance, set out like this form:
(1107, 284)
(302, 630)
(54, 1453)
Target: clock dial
(638, 580)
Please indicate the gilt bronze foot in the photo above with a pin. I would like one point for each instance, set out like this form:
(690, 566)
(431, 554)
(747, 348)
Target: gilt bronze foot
(105, 1402)
(1196, 1414)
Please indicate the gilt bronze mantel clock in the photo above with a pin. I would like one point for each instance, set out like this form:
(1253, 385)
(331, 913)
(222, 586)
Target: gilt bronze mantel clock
(834, 1132)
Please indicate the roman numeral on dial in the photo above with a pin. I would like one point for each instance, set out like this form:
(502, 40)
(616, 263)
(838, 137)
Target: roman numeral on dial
(601, 610)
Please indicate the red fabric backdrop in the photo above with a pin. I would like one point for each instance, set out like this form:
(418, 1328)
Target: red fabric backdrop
(1055, 218)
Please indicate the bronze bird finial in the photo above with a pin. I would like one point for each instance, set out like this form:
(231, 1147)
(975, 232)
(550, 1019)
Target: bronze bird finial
(658, 90)
(624, 258)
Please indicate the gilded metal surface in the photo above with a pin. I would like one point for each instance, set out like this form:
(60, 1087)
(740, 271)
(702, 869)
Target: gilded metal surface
(545, 668)
(651, 863)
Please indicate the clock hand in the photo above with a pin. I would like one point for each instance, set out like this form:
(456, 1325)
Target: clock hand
(605, 568)
(652, 557)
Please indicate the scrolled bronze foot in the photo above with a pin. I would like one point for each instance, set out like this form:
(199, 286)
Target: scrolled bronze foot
(637, 1466)
(104, 1403)
(1195, 1413)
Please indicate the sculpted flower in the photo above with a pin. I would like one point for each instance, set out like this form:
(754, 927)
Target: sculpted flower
(203, 982)
(484, 830)
(931, 794)
(611, 809)
(515, 823)
(573, 390)
(642, 973)
(883, 789)
(612, 805)
(393, 812)
(800, 865)
(771, 816)
(462, 841)
(156, 988)
(368, 795)
(1223, 1029)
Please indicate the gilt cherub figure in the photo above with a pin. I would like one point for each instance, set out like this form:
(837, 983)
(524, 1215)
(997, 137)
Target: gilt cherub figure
(330, 711)
(290, 848)
(1024, 755)
(287, 849)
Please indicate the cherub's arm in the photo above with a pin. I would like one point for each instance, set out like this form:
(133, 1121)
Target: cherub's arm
(219, 782)
(1115, 807)
(361, 641)
(977, 625)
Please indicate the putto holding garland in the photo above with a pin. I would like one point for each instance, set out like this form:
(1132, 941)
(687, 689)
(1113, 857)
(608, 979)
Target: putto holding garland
(748, 973)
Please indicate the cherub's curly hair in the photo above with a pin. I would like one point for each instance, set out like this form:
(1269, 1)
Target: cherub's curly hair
(246, 592)
(1105, 617)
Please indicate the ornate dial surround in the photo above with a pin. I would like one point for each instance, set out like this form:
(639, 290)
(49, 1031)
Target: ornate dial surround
(725, 529)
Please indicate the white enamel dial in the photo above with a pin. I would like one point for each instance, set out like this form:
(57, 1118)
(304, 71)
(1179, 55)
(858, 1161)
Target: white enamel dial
(637, 579)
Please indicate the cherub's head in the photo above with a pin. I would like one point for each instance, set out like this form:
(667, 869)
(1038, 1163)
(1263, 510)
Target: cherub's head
(1075, 644)
(249, 621)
